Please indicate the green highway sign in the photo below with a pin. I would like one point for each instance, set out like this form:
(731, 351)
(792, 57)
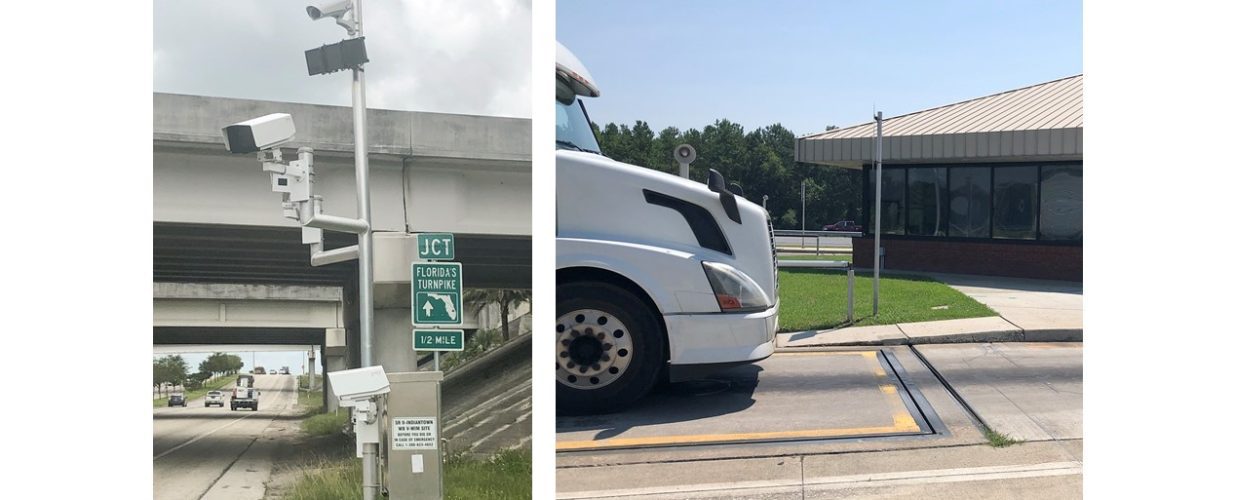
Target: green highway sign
(435, 246)
(437, 340)
(437, 289)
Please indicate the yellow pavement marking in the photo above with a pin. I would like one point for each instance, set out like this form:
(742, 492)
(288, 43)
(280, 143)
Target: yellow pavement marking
(902, 421)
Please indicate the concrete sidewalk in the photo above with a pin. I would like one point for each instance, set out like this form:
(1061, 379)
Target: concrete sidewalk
(1028, 311)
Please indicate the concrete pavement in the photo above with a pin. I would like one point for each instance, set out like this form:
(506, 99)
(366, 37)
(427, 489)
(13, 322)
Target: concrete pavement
(1028, 311)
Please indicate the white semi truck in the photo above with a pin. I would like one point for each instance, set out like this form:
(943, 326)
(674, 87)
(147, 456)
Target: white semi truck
(658, 277)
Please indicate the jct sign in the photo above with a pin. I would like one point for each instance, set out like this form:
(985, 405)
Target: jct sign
(435, 246)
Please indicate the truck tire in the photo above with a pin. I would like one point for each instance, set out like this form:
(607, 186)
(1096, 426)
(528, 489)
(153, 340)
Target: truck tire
(609, 348)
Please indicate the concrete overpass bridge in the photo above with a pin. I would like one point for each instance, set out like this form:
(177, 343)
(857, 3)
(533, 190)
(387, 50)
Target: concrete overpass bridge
(228, 269)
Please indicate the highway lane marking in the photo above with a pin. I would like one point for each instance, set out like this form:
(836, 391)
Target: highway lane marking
(199, 437)
(875, 480)
(898, 426)
(902, 421)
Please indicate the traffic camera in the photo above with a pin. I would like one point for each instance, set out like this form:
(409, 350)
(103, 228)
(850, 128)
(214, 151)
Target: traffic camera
(259, 134)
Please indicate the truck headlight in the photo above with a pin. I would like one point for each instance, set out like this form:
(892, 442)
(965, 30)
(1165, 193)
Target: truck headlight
(734, 290)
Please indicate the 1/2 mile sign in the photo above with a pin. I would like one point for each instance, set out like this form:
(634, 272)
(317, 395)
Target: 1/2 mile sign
(437, 340)
(437, 289)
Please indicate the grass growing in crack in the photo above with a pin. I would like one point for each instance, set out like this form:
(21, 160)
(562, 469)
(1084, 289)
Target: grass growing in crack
(998, 439)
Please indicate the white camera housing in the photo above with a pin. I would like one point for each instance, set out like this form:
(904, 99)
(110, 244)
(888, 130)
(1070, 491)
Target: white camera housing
(359, 384)
(330, 9)
(259, 134)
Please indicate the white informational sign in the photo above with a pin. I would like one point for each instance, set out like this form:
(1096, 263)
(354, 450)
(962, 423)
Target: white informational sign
(413, 433)
(418, 464)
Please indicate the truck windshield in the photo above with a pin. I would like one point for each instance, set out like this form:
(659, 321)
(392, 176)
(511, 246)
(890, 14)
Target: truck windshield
(573, 130)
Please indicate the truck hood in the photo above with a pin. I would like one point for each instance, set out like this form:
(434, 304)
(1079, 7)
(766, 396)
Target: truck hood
(599, 198)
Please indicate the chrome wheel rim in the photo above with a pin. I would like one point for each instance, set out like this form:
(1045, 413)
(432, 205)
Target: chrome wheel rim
(593, 349)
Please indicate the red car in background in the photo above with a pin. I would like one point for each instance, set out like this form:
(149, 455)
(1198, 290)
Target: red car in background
(845, 225)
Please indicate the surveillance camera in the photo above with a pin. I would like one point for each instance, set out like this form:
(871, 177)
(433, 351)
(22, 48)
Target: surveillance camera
(259, 134)
(360, 384)
(684, 153)
(331, 9)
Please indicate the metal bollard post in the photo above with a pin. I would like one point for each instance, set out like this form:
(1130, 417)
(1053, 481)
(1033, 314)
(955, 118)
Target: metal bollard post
(849, 314)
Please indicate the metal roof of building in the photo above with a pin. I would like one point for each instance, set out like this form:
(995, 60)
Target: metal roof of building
(1043, 121)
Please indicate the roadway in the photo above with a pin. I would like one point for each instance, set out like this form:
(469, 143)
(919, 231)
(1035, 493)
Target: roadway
(215, 452)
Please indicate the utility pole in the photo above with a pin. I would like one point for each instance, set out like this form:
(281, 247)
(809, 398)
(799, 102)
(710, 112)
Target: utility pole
(803, 213)
(878, 202)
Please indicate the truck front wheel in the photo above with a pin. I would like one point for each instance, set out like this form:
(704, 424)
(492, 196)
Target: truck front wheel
(609, 348)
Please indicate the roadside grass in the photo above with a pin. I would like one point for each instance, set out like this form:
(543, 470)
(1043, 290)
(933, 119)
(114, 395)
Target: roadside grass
(213, 384)
(326, 424)
(998, 439)
(815, 299)
(507, 475)
(308, 403)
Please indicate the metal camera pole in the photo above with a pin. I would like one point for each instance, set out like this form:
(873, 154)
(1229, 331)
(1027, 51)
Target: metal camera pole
(371, 484)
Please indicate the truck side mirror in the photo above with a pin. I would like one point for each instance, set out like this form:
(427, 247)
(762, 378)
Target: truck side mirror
(716, 183)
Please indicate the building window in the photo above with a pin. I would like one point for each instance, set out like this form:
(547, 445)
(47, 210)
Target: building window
(1016, 203)
(893, 196)
(928, 195)
(1061, 202)
(969, 213)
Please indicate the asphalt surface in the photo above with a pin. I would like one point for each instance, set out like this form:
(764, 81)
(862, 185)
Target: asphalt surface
(215, 452)
(880, 422)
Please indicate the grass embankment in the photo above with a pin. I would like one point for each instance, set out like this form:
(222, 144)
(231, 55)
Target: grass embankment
(506, 475)
(816, 299)
(213, 384)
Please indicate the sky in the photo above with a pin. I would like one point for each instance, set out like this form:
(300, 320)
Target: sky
(810, 64)
(424, 55)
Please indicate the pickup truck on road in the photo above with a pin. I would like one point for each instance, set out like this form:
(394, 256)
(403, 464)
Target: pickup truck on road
(245, 397)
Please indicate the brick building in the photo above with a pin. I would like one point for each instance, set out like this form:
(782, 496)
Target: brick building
(990, 186)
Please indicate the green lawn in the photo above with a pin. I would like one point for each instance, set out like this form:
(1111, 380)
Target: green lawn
(815, 299)
(507, 475)
(213, 384)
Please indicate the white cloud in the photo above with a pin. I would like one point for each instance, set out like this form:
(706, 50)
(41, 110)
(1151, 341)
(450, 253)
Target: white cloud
(425, 55)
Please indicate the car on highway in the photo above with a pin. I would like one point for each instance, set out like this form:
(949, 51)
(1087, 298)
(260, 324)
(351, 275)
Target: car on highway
(844, 225)
(284, 371)
(214, 398)
(176, 400)
(259, 371)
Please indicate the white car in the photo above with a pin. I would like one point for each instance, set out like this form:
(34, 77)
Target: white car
(214, 398)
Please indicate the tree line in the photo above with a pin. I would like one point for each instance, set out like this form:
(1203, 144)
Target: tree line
(760, 161)
(173, 370)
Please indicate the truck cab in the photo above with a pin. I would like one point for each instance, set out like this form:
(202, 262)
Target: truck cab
(658, 277)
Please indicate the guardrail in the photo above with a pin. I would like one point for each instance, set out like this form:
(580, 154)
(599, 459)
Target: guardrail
(825, 264)
(797, 233)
